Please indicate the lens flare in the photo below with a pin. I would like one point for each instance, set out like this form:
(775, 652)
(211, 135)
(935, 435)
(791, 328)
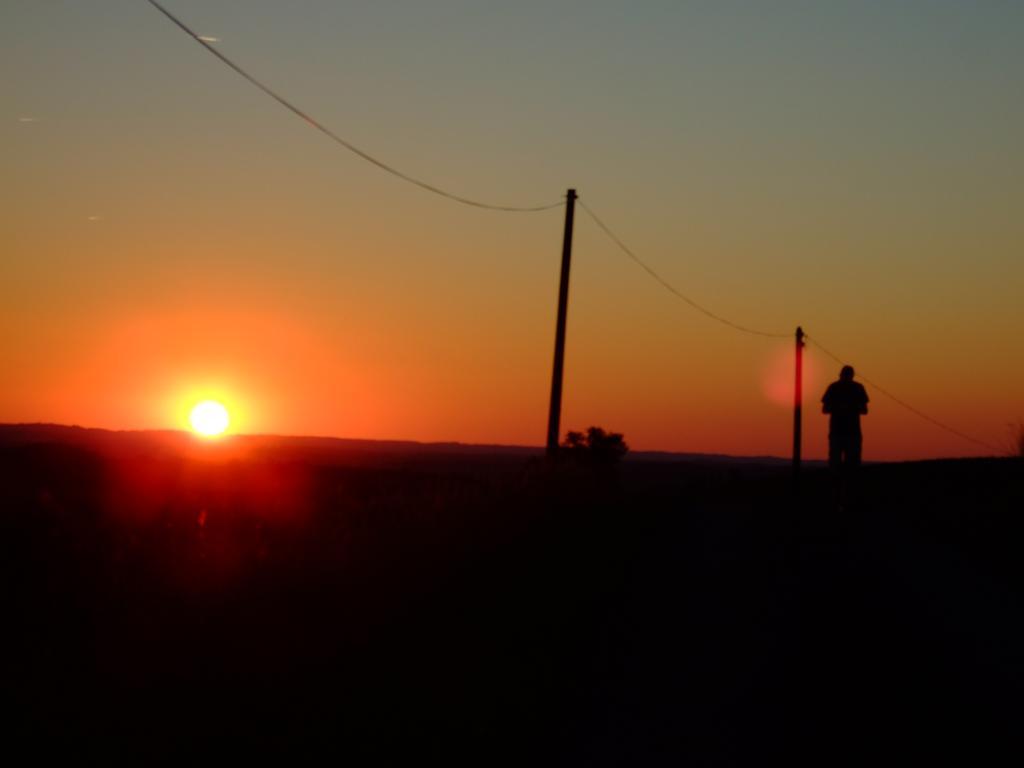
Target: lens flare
(209, 418)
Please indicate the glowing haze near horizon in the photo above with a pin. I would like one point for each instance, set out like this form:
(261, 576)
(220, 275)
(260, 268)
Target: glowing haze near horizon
(171, 234)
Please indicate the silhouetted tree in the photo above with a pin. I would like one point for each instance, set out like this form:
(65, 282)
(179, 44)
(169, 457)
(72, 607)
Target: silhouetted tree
(596, 448)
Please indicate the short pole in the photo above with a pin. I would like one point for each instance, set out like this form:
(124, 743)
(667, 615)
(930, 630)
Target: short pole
(798, 398)
(555, 410)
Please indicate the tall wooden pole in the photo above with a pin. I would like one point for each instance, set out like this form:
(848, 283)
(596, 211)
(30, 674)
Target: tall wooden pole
(555, 411)
(798, 401)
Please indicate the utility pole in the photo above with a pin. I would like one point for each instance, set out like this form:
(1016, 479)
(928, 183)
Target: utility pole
(555, 411)
(798, 400)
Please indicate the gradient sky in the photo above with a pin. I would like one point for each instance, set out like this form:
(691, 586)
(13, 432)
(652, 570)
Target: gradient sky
(169, 232)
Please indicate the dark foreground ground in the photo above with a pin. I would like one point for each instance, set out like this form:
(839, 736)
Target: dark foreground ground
(166, 600)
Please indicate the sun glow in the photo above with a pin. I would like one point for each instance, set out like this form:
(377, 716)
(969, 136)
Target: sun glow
(209, 418)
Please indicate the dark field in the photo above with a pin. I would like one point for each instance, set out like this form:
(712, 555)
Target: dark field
(387, 605)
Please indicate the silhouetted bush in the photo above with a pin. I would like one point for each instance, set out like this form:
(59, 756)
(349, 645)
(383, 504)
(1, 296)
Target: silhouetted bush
(596, 448)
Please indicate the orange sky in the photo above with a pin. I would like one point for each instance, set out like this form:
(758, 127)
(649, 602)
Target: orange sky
(169, 233)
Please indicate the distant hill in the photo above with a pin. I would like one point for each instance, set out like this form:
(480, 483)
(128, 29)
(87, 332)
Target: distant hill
(319, 450)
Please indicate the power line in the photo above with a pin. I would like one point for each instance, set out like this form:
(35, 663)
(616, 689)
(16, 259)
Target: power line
(338, 139)
(671, 288)
(907, 405)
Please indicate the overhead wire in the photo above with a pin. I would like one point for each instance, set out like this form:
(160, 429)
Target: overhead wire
(902, 403)
(671, 288)
(338, 139)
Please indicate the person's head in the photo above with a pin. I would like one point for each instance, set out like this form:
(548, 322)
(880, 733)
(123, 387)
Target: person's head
(846, 374)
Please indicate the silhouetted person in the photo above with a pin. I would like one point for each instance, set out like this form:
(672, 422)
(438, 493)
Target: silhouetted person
(845, 400)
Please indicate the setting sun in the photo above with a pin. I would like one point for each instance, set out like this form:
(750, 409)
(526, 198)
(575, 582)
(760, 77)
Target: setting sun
(209, 418)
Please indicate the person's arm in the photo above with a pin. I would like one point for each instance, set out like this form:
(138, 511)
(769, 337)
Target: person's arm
(826, 401)
(864, 400)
